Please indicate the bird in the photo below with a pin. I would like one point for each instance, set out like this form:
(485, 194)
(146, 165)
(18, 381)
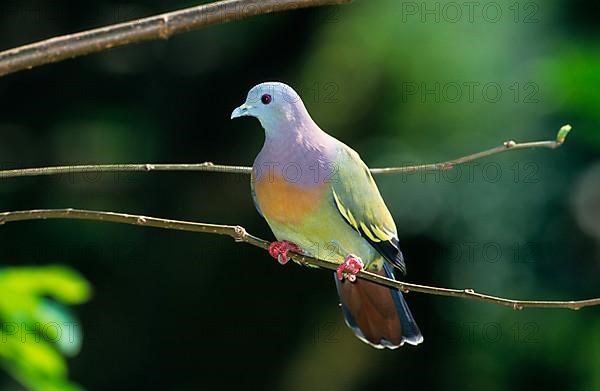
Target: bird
(320, 199)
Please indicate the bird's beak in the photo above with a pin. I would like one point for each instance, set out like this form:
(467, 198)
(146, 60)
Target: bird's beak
(241, 111)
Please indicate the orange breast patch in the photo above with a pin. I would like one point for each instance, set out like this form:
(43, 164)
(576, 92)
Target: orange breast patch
(286, 202)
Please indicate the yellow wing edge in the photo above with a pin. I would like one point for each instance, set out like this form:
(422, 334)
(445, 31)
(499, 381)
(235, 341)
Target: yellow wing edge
(373, 232)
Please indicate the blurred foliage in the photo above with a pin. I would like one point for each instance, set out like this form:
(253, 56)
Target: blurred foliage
(36, 328)
(166, 314)
(574, 77)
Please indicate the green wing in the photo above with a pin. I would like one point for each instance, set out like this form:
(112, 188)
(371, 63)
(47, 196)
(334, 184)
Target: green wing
(358, 200)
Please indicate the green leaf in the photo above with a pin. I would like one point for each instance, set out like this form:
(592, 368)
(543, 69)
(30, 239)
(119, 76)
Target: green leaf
(36, 330)
(563, 133)
(63, 283)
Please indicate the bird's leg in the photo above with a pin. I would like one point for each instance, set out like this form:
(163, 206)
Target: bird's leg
(351, 266)
(279, 250)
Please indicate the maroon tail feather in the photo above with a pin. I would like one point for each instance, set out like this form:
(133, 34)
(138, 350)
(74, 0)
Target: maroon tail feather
(378, 315)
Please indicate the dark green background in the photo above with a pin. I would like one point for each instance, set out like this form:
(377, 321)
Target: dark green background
(181, 311)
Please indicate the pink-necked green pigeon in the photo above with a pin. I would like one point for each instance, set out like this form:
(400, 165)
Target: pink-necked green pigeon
(320, 199)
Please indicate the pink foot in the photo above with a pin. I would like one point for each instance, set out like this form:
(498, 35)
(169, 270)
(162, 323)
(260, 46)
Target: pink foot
(351, 265)
(279, 250)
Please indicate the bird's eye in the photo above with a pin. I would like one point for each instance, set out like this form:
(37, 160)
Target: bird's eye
(266, 99)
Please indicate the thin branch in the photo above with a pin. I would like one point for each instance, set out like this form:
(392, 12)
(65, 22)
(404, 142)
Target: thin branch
(239, 234)
(208, 166)
(510, 145)
(160, 26)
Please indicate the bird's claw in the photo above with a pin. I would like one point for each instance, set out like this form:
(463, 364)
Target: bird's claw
(351, 266)
(279, 250)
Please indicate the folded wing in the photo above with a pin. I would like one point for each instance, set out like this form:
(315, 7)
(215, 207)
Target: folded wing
(358, 200)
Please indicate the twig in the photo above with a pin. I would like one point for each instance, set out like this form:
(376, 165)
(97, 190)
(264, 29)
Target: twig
(160, 26)
(239, 234)
(208, 166)
(510, 145)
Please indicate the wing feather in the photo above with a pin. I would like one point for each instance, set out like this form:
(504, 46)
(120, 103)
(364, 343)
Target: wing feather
(358, 200)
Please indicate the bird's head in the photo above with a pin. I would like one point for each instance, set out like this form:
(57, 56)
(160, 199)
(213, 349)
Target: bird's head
(275, 104)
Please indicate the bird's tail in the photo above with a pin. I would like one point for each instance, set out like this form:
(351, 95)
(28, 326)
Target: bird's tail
(378, 315)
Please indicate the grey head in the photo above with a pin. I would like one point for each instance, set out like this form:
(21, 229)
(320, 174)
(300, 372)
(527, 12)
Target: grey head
(277, 106)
